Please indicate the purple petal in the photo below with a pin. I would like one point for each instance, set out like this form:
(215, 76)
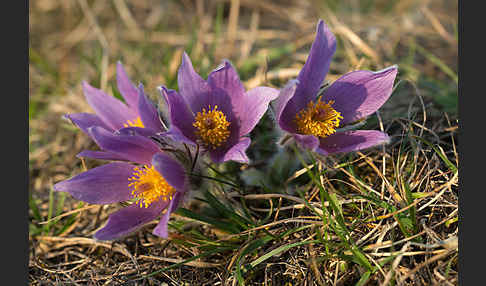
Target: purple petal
(172, 171)
(191, 86)
(198, 94)
(133, 148)
(86, 120)
(181, 116)
(349, 141)
(233, 139)
(148, 112)
(128, 220)
(164, 139)
(133, 130)
(307, 141)
(285, 94)
(109, 109)
(317, 64)
(226, 78)
(176, 135)
(315, 69)
(250, 107)
(219, 97)
(161, 228)
(126, 87)
(100, 155)
(236, 153)
(360, 93)
(101, 185)
(178, 198)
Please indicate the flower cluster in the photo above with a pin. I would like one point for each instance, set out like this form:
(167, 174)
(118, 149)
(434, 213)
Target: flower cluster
(215, 117)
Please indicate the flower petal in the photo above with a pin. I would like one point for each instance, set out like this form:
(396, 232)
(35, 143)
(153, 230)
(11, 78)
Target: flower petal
(181, 116)
(191, 86)
(307, 141)
(317, 64)
(225, 86)
(235, 153)
(198, 94)
(285, 94)
(161, 228)
(172, 171)
(360, 93)
(219, 97)
(148, 112)
(86, 120)
(315, 68)
(126, 87)
(176, 135)
(100, 155)
(250, 107)
(128, 220)
(349, 141)
(101, 185)
(133, 130)
(226, 78)
(109, 109)
(133, 148)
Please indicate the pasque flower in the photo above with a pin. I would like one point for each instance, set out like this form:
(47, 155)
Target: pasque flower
(315, 121)
(216, 114)
(154, 182)
(138, 113)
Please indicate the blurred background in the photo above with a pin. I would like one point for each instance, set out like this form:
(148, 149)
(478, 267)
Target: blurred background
(267, 41)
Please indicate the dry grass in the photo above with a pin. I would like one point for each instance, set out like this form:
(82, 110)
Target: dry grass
(268, 41)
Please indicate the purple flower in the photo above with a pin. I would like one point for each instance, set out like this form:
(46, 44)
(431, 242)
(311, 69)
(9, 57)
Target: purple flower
(314, 122)
(157, 183)
(216, 114)
(114, 115)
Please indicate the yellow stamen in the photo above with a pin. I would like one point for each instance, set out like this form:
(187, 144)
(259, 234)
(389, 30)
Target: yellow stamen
(148, 186)
(137, 122)
(318, 119)
(212, 127)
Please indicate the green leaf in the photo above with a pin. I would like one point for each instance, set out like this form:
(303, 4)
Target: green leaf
(451, 221)
(413, 210)
(116, 93)
(35, 209)
(226, 212)
(364, 278)
(418, 195)
(279, 250)
(47, 226)
(251, 247)
(361, 258)
(405, 224)
(227, 227)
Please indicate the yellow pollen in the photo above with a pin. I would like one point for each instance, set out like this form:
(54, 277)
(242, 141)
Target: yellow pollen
(318, 119)
(212, 127)
(148, 186)
(137, 122)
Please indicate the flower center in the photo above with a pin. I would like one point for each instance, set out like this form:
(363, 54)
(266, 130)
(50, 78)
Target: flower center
(318, 119)
(212, 127)
(137, 122)
(148, 186)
